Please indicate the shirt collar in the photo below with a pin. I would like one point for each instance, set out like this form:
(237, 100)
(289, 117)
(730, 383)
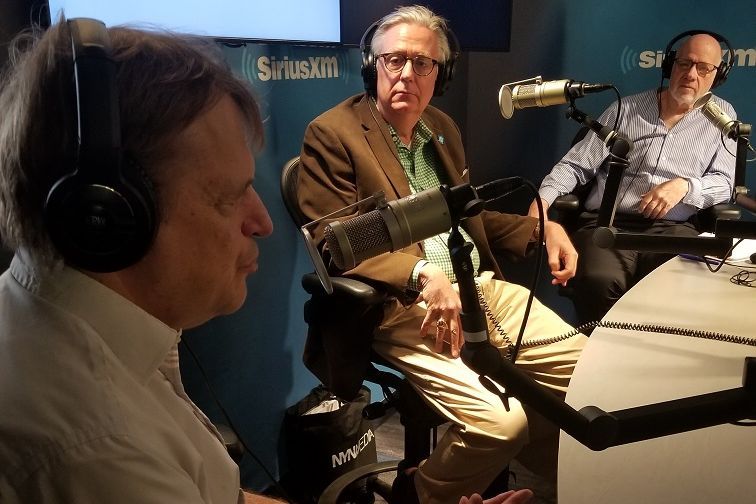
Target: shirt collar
(421, 135)
(139, 340)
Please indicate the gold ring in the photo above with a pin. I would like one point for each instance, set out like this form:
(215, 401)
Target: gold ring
(441, 324)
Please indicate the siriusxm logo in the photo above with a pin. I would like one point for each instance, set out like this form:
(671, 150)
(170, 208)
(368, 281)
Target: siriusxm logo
(314, 67)
(630, 59)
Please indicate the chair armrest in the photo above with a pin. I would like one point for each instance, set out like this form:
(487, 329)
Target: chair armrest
(708, 217)
(342, 286)
(727, 211)
(566, 203)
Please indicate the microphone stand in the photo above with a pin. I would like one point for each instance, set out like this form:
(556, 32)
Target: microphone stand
(740, 192)
(619, 148)
(738, 228)
(607, 236)
(591, 426)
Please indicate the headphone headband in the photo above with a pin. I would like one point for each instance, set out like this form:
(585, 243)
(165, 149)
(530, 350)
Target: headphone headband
(99, 126)
(722, 70)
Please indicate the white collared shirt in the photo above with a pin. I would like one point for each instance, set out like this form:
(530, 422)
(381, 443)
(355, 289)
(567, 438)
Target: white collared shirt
(692, 149)
(86, 415)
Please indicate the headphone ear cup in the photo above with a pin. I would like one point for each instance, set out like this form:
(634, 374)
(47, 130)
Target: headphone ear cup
(446, 70)
(667, 62)
(369, 73)
(441, 80)
(98, 227)
(721, 75)
(445, 75)
(101, 216)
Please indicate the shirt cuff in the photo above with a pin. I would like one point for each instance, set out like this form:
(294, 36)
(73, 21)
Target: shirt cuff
(413, 283)
(548, 194)
(694, 190)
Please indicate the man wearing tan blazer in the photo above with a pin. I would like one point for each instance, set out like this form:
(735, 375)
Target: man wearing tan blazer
(389, 139)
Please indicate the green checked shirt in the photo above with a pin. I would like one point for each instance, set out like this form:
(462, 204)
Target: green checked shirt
(419, 162)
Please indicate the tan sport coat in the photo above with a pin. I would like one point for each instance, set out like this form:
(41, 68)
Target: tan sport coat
(348, 155)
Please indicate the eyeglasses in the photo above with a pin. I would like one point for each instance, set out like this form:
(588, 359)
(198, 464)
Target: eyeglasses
(395, 62)
(702, 68)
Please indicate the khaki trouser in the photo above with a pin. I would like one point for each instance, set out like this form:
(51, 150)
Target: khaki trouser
(484, 436)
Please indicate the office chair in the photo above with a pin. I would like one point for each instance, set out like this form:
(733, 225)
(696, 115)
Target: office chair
(356, 308)
(566, 209)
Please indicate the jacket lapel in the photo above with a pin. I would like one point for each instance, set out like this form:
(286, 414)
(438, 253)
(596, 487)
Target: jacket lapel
(382, 145)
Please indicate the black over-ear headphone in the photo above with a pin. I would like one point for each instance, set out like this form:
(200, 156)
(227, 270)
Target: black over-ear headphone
(370, 73)
(101, 216)
(722, 70)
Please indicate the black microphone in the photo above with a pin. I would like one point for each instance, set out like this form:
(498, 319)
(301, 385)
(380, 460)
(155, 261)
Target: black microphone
(524, 94)
(400, 223)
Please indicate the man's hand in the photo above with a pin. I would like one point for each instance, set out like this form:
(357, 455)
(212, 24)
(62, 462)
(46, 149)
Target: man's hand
(562, 254)
(533, 209)
(658, 201)
(443, 306)
(512, 497)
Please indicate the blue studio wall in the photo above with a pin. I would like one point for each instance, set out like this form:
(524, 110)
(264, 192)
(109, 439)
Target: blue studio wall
(253, 358)
(585, 40)
(588, 41)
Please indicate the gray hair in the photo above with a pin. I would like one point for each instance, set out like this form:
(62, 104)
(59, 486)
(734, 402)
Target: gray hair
(416, 15)
(164, 82)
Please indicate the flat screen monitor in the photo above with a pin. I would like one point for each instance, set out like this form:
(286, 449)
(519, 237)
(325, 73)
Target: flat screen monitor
(291, 20)
(480, 25)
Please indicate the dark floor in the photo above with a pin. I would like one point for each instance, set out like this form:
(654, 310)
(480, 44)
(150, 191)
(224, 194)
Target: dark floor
(389, 437)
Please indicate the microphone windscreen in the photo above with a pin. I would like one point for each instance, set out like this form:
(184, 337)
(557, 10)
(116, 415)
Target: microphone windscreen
(506, 106)
(357, 239)
(703, 100)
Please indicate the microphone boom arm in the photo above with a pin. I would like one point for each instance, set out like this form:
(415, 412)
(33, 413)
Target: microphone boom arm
(591, 426)
(606, 236)
(742, 131)
(619, 148)
(598, 429)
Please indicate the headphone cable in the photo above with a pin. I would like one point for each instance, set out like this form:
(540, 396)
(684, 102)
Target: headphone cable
(282, 493)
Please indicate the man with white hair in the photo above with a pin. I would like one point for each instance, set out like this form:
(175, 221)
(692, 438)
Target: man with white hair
(390, 139)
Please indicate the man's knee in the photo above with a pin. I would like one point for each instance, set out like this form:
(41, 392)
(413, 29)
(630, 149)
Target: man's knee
(601, 283)
(503, 427)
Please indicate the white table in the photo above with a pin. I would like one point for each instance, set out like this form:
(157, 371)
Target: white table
(624, 369)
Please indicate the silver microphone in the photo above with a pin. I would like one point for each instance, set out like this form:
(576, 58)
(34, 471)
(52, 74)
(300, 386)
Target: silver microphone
(724, 123)
(400, 223)
(536, 93)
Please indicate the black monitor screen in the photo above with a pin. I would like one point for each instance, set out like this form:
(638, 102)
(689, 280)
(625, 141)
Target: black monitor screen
(480, 25)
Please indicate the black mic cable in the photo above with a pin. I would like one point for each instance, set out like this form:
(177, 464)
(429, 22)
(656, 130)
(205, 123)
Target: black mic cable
(537, 270)
(473, 328)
